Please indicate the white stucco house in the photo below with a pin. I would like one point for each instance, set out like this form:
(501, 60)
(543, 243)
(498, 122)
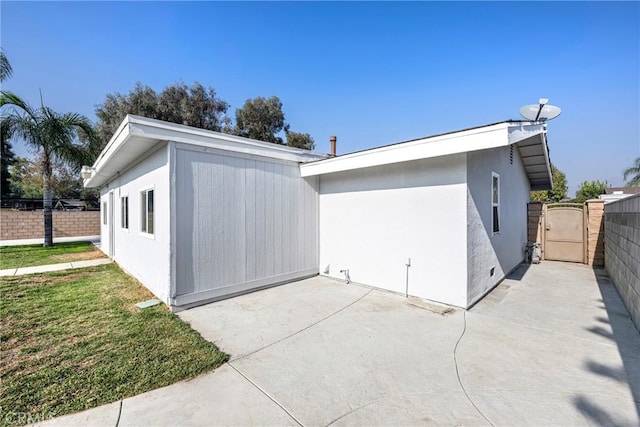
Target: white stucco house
(198, 216)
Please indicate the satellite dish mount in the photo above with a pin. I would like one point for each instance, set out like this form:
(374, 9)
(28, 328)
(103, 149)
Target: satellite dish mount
(541, 112)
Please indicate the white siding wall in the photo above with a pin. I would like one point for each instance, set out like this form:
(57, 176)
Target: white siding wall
(243, 222)
(486, 250)
(145, 257)
(373, 219)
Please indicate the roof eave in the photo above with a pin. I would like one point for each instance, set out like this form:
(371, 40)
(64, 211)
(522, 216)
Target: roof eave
(147, 133)
(474, 139)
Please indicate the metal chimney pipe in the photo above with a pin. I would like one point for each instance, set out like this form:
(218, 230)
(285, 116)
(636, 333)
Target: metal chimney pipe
(333, 140)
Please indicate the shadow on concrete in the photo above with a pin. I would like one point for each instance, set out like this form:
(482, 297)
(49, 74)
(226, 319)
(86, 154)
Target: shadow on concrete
(519, 272)
(599, 330)
(627, 338)
(595, 413)
(616, 374)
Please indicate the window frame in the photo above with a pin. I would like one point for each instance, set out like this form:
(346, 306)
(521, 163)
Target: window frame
(104, 213)
(144, 212)
(124, 212)
(495, 204)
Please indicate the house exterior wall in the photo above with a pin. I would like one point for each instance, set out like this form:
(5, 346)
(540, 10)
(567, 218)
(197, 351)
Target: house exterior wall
(146, 257)
(242, 222)
(372, 220)
(501, 251)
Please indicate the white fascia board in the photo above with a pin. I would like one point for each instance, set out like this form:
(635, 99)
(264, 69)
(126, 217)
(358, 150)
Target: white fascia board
(157, 130)
(452, 143)
(481, 138)
(151, 131)
(521, 131)
(114, 144)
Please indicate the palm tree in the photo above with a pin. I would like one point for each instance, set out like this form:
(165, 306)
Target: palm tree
(54, 136)
(634, 173)
(5, 68)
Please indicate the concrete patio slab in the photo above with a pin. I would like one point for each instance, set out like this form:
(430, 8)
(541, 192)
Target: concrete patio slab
(553, 345)
(222, 397)
(270, 315)
(376, 351)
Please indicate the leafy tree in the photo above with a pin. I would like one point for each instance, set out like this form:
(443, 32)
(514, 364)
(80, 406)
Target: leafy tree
(6, 150)
(300, 140)
(262, 119)
(192, 106)
(559, 191)
(633, 172)
(54, 136)
(26, 180)
(590, 190)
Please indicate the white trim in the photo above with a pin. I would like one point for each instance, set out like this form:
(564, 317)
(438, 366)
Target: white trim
(210, 295)
(137, 135)
(495, 204)
(481, 138)
(125, 229)
(111, 227)
(173, 215)
(146, 190)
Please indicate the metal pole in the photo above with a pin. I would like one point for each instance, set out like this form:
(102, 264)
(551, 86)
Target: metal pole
(406, 287)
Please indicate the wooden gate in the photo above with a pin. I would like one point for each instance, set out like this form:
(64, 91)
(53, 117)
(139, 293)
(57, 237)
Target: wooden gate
(565, 232)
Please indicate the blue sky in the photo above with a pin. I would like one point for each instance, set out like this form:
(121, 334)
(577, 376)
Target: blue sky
(370, 73)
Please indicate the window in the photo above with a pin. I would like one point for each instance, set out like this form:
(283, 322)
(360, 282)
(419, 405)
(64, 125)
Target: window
(104, 213)
(495, 202)
(146, 211)
(124, 212)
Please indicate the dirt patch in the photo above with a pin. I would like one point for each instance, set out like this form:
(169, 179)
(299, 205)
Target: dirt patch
(78, 256)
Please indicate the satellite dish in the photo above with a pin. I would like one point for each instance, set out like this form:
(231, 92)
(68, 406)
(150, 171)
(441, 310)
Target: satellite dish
(541, 112)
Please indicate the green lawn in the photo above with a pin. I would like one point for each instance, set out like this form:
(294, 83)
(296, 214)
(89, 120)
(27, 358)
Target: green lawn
(30, 255)
(74, 339)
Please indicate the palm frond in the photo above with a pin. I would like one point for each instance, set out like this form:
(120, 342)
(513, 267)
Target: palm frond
(633, 172)
(12, 100)
(6, 70)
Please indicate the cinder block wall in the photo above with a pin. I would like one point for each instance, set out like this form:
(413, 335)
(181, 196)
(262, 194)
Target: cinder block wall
(534, 213)
(622, 250)
(595, 232)
(536, 222)
(30, 224)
